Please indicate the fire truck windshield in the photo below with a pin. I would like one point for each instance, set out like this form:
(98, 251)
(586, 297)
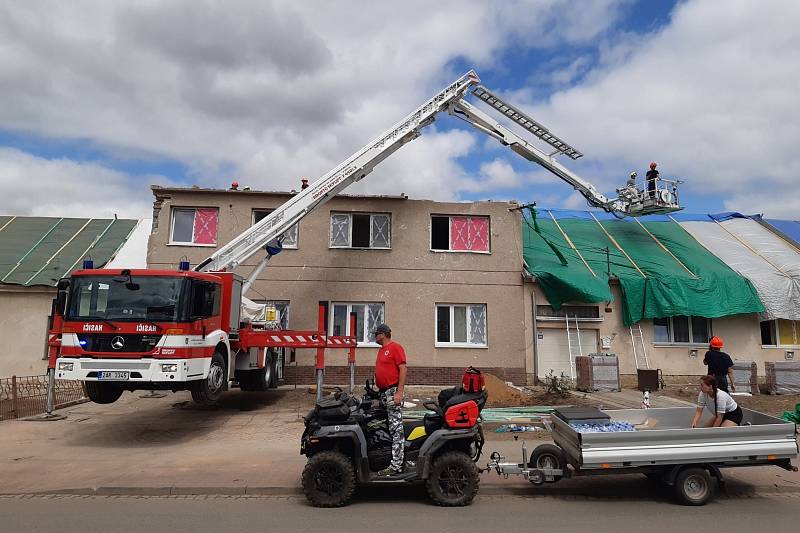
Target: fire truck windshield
(156, 298)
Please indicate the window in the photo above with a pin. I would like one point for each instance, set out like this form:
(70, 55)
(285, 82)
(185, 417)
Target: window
(681, 330)
(194, 226)
(205, 299)
(289, 238)
(368, 316)
(459, 233)
(780, 332)
(361, 230)
(581, 312)
(461, 325)
(282, 306)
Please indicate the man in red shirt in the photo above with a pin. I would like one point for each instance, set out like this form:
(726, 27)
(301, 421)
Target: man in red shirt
(390, 378)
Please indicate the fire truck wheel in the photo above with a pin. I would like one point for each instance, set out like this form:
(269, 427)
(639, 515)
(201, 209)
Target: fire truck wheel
(103, 392)
(272, 371)
(207, 391)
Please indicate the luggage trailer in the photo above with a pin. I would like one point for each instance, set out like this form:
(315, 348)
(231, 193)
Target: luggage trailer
(663, 448)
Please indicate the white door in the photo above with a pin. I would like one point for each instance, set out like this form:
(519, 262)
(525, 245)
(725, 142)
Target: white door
(552, 350)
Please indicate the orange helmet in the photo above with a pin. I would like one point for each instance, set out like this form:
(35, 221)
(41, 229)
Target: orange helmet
(653, 165)
(716, 342)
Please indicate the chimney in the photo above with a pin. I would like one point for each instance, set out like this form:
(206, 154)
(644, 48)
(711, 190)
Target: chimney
(303, 183)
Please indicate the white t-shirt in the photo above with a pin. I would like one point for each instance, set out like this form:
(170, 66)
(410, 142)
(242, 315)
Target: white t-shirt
(725, 404)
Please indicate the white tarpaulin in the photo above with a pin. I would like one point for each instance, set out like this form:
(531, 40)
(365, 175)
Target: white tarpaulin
(757, 254)
(133, 254)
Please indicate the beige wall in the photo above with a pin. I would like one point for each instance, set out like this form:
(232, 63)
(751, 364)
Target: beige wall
(23, 326)
(409, 278)
(741, 334)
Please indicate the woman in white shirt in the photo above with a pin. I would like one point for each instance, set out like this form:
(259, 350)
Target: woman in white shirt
(724, 410)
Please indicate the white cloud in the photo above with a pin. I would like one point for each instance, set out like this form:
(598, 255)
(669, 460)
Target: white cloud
(62, 188)
(712, 97)
(266, 91)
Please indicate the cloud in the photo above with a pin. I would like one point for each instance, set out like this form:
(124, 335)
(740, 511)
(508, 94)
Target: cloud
(32, 186)
(264, 92)
(711, 97)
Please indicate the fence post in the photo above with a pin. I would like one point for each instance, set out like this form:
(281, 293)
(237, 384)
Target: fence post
(14, 396)
(51, 384)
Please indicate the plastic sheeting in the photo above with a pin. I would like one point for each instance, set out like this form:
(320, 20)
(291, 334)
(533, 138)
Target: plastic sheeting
(661, 269)
(769, 262)
(788, 229)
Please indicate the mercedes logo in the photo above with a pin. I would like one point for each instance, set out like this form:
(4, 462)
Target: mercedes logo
(117, 342)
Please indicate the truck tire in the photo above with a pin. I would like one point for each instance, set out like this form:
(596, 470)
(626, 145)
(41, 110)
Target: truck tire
(548, 456)
(103, 392)
(260, 379)
(694, 486)
(329, 479)
(207, 391)
(272, 357)
(454, 480)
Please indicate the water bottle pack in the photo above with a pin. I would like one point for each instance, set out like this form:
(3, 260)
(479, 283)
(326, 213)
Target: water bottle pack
(615, 426)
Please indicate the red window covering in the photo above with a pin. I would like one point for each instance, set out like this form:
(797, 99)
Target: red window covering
(469, 234)
(205, 226)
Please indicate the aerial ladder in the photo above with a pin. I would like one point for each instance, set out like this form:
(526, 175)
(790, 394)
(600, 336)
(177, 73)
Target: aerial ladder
(247, 340)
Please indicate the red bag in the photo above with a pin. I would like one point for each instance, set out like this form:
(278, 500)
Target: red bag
(473, 380)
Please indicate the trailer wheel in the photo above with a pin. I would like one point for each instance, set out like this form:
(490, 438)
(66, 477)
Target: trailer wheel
(207, 391)
(103, 392)
(694, 486)
(454, 480)
(548, 456)
(329, 479)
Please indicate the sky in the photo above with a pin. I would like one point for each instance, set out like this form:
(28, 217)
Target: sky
(100, 100)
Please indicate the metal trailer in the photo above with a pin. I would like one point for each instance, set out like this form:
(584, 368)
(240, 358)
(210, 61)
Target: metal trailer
(685, 458)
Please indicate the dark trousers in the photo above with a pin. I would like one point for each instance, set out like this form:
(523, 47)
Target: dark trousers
(722, 382)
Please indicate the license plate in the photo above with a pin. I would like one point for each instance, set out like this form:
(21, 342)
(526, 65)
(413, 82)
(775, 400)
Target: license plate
(115, 376)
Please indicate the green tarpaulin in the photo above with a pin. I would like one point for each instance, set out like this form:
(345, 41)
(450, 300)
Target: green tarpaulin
(662, 270)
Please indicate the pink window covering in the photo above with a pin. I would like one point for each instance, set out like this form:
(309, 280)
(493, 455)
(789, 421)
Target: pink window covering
(469, 233)
(205, 226)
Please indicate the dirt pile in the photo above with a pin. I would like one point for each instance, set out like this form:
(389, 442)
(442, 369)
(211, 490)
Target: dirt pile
(501, 395)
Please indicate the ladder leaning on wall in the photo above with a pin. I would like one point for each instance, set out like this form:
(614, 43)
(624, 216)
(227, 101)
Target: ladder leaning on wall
(573, 344)
(637, 335)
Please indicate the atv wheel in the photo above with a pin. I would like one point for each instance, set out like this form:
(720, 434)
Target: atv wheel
(207, 391)
(103, 392)
(329, 479)
(453, 481)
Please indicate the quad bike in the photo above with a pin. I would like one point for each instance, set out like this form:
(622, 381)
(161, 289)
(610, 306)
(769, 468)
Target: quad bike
(347, 442)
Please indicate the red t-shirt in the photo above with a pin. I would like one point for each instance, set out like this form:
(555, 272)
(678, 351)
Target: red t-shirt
(387, 365)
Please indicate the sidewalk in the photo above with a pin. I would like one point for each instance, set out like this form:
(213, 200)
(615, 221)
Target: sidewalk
(248, 445)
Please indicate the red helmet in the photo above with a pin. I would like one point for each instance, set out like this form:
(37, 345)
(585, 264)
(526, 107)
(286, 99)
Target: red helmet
(653, 165)
(716, 342)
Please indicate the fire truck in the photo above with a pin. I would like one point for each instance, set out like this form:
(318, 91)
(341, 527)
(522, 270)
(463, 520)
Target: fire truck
(194, 329)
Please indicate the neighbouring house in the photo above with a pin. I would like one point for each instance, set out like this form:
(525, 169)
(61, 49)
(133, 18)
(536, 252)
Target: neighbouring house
(35, 252)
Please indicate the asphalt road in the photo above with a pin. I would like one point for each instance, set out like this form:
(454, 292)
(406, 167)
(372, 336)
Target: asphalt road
(401, 510)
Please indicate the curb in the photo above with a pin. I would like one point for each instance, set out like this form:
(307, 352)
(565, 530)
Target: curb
(490, 490)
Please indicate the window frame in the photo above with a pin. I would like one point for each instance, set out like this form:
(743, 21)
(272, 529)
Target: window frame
(350, 215)
(450, 230)
(671, 330)
(545, 318)
(267, 211)
(359, 344)
(776, 330)
(172, 242)
(452, 344)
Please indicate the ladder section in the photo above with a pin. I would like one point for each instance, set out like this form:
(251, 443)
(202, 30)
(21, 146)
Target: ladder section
(351, 170)
(573, 344)
(526, 122)
(638, 336)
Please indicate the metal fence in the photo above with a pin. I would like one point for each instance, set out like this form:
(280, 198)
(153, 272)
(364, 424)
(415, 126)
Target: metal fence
(23, 396)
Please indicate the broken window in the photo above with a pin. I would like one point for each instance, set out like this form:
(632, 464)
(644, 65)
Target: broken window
(360, 230)
(460, 233)
(461, 325)
(194, 226)
(289, 237)
(368, 316)
(580, 312)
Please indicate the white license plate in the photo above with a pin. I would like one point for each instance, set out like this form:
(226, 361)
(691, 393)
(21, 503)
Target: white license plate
(115, 376)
